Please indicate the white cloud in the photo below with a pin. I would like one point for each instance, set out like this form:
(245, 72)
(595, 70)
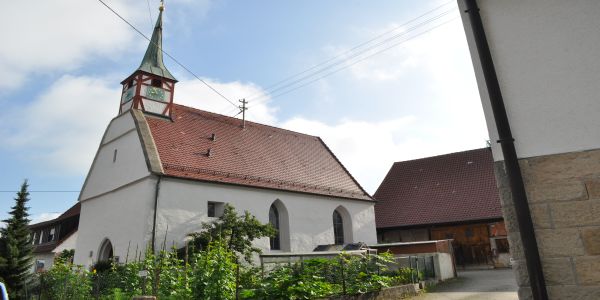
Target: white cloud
(442, 113)
(47, 216)
(61, 129)
(418, 47)
(61, 35)
(368, 149)
(64, 35)
(194, 93)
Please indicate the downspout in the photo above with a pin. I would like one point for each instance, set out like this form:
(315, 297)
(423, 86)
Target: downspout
(156, 192)
(513, 171)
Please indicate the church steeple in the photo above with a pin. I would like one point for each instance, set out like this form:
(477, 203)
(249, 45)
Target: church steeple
(150, 88)
(153, 59)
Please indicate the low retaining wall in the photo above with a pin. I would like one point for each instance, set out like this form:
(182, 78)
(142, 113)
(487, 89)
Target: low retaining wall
(391, 293)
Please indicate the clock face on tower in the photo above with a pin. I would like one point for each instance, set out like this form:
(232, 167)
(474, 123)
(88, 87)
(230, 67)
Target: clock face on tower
(155, 93)
(128, 95)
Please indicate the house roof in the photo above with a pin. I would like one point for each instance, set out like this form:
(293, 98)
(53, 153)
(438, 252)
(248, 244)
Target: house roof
(257, 156)
(449, 188)
(49, 246)
(71, 212)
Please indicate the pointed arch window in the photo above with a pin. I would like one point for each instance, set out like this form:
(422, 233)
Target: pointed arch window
(275, 241)
(106, 251)
(338, 228)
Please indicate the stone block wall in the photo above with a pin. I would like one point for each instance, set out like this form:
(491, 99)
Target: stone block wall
(563, 191)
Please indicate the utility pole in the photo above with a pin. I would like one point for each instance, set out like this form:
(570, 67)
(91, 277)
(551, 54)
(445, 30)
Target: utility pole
(243, 110)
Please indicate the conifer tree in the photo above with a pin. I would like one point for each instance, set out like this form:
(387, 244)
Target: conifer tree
(15, 245)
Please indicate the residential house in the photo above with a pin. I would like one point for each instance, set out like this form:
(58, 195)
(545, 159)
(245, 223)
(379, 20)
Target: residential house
(51, 237)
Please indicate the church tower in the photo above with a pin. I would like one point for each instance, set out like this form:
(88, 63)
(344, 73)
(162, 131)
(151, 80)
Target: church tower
(150, 88)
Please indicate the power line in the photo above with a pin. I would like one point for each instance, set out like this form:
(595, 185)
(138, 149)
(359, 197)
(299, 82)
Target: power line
(353, 48)
(149, 13)
(357, 61)
(41, 191)
(358, 53)
(167, 54)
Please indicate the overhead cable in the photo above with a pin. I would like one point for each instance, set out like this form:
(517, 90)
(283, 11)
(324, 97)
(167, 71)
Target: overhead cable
(168, 55)
(271, 88)
(258, 100)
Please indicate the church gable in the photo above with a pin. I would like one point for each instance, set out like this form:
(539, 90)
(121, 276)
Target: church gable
(204, 146)
(120, 158)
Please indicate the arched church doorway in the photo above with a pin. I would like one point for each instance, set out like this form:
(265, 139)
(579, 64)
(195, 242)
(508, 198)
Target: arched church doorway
(106, 251)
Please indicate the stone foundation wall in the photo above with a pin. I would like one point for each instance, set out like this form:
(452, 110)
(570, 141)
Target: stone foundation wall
(563, 191)
(391, 293)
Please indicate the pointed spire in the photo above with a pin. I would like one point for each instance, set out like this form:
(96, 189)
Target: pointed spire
(153, 59)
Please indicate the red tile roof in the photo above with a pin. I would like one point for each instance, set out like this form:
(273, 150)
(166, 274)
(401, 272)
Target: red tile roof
(449, 188)
(258, 156)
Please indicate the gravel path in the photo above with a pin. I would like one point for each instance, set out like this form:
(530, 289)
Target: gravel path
(479, 284)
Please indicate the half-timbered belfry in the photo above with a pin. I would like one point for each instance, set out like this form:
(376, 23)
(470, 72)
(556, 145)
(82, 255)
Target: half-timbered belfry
(150, 88)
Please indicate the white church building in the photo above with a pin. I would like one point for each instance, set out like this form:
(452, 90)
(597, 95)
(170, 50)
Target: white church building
(162, 169)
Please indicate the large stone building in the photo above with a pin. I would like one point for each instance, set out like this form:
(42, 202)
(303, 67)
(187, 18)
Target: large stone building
(162, 169)
(537, 68)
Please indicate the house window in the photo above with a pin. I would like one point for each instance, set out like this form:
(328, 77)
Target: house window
(338, 228)
(156, 83)
(51, 235)
(39, 265)
(211, 209)
(275, 241)
(115, 155)
(215, 209)
(502, 245)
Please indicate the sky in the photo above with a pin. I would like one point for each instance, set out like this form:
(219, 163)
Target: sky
(393, 82)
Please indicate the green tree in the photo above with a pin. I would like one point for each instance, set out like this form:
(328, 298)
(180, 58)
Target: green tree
(15, 245)
(236, 231)
(214, 273)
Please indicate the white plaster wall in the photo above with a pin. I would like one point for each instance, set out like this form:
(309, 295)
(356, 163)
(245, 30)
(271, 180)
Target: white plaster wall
(124, 216)
(130, 165)
(444, 267)
(68, 244)
(183, 207)
(546, 57)
(118, 126)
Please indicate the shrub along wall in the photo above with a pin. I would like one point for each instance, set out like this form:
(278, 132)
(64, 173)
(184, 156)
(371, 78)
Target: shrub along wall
(215, 274)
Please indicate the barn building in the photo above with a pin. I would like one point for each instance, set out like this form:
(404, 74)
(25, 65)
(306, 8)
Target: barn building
(452, 196)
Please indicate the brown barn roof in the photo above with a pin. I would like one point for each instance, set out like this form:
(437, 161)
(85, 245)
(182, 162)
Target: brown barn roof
(258, 156)
(449, 188)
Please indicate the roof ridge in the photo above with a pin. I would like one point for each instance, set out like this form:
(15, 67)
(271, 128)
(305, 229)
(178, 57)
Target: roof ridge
(344, 168)
(442, 155)
(247, 122)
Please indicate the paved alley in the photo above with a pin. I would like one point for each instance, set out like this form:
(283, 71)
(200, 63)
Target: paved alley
(476, 284)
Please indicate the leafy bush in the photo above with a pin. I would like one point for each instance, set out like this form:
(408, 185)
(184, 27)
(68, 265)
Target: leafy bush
(405, 276)
(214, 273)
(317, 278)
(211, 274)
(65, 281)
(293, 282)
(237, 232)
